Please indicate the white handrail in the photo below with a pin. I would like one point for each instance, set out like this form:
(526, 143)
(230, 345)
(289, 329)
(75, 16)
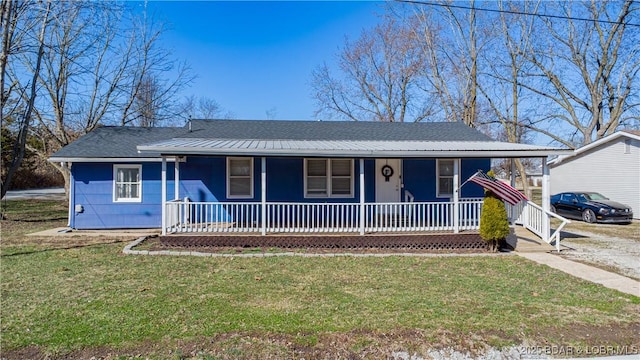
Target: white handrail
(532, 217)
(245, 217)
(408, 196)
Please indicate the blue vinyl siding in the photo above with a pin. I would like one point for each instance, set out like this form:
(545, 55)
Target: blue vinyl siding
(285, 182)
(204, 179)
(419, 177)
(469, 167)
(93, 190)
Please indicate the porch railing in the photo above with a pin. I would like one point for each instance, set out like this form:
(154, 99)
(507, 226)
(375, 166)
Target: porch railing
(534, 218)
(281, 217)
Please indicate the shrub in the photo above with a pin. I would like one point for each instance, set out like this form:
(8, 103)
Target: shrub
(494, 224)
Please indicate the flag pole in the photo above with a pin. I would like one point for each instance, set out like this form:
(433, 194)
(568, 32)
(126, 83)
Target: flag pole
(470, 177)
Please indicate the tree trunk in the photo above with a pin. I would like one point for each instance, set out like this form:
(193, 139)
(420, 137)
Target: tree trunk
(19, 147)
(65, 170)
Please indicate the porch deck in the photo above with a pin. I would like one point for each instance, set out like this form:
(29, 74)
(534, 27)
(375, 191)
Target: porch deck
(414, 225)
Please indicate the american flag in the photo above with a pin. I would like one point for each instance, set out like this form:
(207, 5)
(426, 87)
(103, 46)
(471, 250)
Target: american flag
(502, 190)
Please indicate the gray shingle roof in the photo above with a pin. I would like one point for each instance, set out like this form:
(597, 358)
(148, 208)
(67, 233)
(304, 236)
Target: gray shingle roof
(115, 142)
(124, 142)
(333, 130)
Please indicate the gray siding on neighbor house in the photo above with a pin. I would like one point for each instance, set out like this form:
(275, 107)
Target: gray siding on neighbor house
(612, 169)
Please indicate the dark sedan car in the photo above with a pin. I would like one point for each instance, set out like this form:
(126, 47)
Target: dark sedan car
(591, 207)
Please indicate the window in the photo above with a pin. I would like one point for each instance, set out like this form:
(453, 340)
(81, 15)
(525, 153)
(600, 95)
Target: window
(239, 178)
(328, 178)
(445, 178)
(127, 183)
(627, 146)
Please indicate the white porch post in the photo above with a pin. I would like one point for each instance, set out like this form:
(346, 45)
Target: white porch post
(163, 190)
(546, 201)
(512, 209)
(456, 196)
(362, 212)
(176, 179)
(263, 195)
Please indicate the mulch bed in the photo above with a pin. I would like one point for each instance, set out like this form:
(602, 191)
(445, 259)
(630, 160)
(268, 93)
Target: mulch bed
(432, 243)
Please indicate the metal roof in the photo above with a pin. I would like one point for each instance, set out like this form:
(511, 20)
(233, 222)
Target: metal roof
(345, 148)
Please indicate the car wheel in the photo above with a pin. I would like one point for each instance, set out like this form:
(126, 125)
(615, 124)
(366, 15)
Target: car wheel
(588, 216)
(553, 209)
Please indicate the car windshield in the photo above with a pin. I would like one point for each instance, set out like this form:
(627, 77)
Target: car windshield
(593, 196)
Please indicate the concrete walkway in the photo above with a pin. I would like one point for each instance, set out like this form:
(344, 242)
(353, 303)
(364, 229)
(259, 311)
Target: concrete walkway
(65, 231)
(586, 272)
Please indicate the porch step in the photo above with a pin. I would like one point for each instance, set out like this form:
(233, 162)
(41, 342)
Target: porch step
(525, 241)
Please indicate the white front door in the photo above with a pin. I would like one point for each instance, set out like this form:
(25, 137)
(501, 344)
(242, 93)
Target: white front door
(388, 180)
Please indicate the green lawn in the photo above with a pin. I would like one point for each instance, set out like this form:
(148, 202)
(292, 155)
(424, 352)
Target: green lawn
(93, 297)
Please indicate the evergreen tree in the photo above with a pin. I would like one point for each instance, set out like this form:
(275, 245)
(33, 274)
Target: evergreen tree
(494, 224)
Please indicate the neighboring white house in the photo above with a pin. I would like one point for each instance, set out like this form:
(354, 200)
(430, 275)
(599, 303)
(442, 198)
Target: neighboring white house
(610, 166)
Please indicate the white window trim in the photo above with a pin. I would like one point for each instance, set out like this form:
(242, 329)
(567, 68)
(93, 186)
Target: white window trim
(439, 194)
(115, 181)
(329, 176)
(251, 179)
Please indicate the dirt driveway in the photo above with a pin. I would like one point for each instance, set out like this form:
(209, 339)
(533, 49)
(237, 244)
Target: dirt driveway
(611, 247)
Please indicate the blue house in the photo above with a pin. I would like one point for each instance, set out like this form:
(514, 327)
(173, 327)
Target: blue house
(247, 176)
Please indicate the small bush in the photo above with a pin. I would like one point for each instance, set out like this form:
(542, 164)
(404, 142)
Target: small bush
(494, 224)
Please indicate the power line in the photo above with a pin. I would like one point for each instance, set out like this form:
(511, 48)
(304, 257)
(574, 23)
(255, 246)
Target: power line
(416, 2)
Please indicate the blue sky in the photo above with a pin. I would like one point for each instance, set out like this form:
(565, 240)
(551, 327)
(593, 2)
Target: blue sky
(254, 57)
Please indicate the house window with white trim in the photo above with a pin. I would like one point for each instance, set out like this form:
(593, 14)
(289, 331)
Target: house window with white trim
(127, 183)
(444, 174)
(239, 178)
(328, 178)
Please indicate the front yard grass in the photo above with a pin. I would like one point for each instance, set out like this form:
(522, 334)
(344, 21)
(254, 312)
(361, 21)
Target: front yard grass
(93, 300)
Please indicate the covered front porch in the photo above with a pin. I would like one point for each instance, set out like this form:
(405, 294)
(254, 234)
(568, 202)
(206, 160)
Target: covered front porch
(407, 216)
(359, 178)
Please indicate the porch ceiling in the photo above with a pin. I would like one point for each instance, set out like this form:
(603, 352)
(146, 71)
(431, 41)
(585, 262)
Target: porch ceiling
(347, 148)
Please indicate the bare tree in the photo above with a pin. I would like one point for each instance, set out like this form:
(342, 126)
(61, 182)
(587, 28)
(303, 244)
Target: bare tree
(149, 93)
(203, 108)
(501, 86)
(93, 71)
(10, 17)
(145, 102)
(452, 42)
(381, 78)
(586, 73)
